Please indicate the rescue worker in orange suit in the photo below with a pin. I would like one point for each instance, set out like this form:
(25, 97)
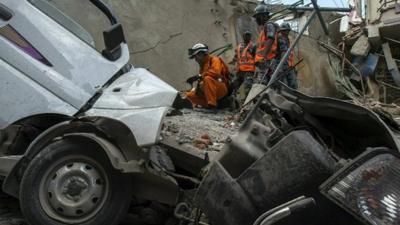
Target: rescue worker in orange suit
(245, 64)
(267, 44)
(290, 78)
(213, 78)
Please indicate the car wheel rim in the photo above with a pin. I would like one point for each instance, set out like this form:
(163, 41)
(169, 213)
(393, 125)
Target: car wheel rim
(74, 191)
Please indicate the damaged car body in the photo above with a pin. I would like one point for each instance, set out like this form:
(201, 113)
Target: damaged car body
(291, 145)
(74, 121)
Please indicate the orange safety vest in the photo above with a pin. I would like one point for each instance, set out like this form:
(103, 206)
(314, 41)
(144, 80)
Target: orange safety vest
(215, 67)
(262, 47)
(291, 57)
(245, 58)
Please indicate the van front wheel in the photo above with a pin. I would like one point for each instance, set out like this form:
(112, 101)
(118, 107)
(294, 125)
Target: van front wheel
(67, 183)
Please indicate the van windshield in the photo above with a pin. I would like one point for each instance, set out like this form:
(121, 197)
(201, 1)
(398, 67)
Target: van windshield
(80, 17)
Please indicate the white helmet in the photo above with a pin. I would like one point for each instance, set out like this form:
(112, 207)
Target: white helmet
(196, 49)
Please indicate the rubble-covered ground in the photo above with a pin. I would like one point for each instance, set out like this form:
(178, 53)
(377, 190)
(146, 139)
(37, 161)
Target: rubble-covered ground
(200, 130)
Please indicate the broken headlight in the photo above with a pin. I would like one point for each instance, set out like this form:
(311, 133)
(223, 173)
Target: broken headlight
(369, 188)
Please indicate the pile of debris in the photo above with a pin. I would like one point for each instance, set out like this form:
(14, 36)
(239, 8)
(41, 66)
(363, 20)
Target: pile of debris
(202, 131)
(367, 52)
(364, 56)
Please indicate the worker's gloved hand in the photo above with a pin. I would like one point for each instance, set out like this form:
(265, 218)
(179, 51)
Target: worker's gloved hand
(191, 80)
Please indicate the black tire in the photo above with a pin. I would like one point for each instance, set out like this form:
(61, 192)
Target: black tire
(114, 204)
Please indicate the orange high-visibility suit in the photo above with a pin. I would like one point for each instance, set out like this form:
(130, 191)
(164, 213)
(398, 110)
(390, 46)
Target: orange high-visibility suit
(214, 84)
(245, 58)
(261, 54)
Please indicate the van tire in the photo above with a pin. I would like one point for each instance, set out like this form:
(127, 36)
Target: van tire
(66, 173)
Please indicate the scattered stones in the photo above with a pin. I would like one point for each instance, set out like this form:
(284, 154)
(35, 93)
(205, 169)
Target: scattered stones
(205, 136)
(201, 129)
(173, 128)
(206, 142)
(201, 146)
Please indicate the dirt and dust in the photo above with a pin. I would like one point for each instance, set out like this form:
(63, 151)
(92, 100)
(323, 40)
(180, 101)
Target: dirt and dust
(202, 130)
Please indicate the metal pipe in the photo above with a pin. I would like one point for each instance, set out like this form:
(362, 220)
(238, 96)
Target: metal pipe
(289, 51)
(323, 9)
(285, 211)
(321, 19)
(225, 47)
(276, 216)
(269, 212)
(294, 5)
(392, 40)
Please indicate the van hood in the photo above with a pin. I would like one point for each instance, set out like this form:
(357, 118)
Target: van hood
(137, 89)
(138, 99)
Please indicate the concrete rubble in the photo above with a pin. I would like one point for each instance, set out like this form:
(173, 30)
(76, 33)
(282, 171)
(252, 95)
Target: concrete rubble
(361, 47)
(379, 37)
(201, 130)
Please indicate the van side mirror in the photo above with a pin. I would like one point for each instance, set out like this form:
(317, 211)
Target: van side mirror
(113, 38)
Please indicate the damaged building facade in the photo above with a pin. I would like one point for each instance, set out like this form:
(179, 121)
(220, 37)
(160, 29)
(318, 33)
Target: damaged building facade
(369, 39)
(382, 21)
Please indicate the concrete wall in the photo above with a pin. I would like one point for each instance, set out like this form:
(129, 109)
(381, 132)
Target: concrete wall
(372, 10)
(159, 32)
(315, 74)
